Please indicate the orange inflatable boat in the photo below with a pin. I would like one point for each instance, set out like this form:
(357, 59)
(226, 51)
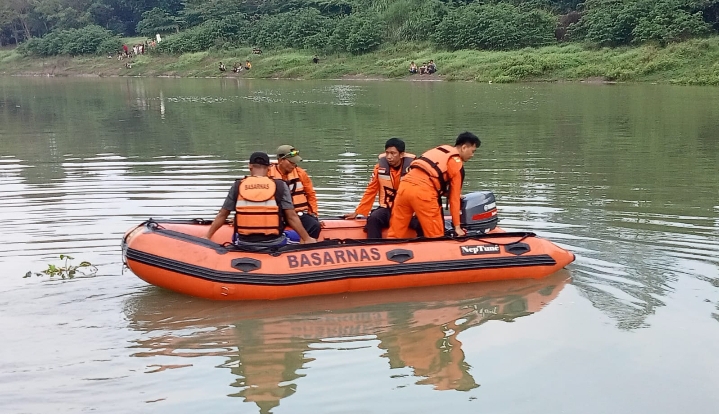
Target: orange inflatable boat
(174, 255)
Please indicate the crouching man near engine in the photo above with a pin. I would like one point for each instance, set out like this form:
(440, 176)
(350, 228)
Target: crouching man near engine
(436, 173)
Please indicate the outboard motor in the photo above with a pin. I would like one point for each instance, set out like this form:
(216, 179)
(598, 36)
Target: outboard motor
(478, 213)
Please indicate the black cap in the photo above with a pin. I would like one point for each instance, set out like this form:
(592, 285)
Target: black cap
(260, 158)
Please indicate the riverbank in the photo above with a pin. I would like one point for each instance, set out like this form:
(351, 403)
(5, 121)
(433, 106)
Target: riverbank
(694, 62)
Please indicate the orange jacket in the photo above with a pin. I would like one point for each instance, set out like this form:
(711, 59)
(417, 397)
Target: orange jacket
(257, 210)
(303, 193)
(385, 181)
(442, 169)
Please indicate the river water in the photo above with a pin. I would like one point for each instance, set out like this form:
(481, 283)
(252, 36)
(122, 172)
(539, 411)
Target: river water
(626, 176)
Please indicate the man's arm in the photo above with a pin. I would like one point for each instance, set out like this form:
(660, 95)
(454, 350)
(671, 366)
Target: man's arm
(309, 190)
(454, 170)
(291, 217)
(293, 220)
(227, 207)
(368, 198)
(218, 222)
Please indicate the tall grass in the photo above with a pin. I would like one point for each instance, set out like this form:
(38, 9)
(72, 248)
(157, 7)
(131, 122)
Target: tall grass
(693, 62)
(8, 55)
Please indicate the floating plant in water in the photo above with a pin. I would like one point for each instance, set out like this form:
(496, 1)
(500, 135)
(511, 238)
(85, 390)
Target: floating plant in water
(67, 270)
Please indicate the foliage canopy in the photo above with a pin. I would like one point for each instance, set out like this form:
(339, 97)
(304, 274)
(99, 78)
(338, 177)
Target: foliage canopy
(350, 26)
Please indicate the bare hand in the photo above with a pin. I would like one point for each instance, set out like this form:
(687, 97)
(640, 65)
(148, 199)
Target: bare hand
(308, 240)
(349, 216)
(322, 224)
(460, 231)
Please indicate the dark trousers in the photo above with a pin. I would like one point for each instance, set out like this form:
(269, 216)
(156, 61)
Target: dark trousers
(379, 219)
(311, 224)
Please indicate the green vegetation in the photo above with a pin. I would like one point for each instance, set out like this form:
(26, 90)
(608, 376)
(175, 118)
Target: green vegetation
(484, 40)
(358, 26)
(66, 270)
(693, 62)
(495, 27)
(87, 40)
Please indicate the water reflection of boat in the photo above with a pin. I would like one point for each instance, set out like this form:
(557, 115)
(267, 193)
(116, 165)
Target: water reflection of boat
(267, 343)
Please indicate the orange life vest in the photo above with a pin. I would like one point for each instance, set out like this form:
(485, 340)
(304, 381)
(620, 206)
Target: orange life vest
(387, 188)
(297, 190)
(257, 210)
(434, 163)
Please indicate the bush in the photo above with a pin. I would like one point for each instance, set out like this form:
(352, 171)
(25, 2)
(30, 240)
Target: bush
(308, 29)
(156, 21)
(110, 45)
(300, 29)
(413, 20)
(34, 46)
(357, 33)
(665, 22)
(209, 34)
(495, 26)
(270, 31)
(617, 22)
(87, 40)
(365, 34)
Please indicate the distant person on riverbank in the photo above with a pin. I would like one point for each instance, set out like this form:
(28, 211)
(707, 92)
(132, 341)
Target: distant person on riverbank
(125, 50)
(222, 67)
(412, 68)
(431, 67)
(256, 51)
(423, 68)
(237, 67)
(248, 65)
(315, 59)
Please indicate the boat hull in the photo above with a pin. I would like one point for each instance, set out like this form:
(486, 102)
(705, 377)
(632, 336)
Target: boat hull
(174, 256)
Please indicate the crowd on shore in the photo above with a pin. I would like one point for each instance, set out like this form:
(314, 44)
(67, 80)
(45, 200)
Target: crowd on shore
(427, 68)
(237, 67)
(135, 50)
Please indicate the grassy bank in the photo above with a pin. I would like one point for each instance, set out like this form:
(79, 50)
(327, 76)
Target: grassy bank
(691, 62)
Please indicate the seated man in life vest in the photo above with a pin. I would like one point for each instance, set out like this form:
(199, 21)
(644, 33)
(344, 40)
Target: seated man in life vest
(438, 172)
(262, 207)
(390, 168)
(301, 189)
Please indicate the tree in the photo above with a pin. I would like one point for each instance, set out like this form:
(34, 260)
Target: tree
(495, 26)
(199, 11)
(618, 22)
(20, 11)
(157, 21)
(357, 33)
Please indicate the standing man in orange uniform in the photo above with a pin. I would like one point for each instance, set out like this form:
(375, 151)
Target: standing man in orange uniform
(303, 193)
(390, 168)
(438, 172)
